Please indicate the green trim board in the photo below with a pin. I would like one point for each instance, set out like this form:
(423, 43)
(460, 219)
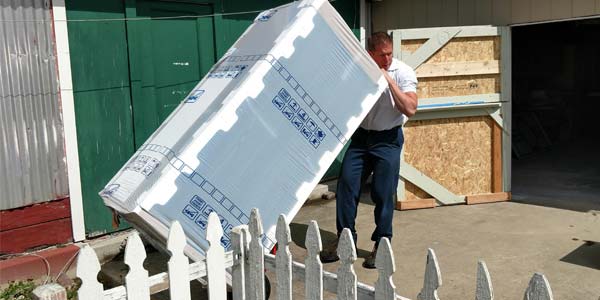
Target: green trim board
(506, 110)
(430, 47)
(495, 114)
(401, 188)
(455, 106)
(461, 100)
(439, 192)
(437, 37)
(463, 31)
(458, 112)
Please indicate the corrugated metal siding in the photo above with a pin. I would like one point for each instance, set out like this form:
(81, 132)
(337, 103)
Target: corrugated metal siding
(32, 158)
(399, 14)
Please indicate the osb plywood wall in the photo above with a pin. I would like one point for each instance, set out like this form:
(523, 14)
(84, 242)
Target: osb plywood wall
(455, 152)
(461, 49)
(434, 87)
(469, 49)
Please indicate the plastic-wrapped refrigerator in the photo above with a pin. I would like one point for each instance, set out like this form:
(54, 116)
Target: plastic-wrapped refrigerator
(259, 130)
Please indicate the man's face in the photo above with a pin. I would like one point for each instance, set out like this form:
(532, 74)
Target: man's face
(382, 55)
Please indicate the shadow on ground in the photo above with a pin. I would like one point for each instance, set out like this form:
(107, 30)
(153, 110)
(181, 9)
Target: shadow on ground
(586, 255)
(298, 232)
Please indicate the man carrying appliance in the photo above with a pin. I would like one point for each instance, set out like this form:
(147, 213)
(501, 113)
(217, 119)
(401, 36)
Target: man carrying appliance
(375, 148)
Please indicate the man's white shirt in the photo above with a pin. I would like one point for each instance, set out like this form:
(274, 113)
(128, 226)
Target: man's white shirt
(384, 114)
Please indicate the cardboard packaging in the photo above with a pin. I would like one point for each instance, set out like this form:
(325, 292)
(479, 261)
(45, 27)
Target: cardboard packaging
(259, 130)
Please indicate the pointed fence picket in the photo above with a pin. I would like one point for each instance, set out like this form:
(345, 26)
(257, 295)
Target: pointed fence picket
(248, 259)
(313, 281)
(433, 278)
(239, 270)
(484, 290)
(179, 280)
(346, 275)
(256, 258)
(136, 280)
(384, 286)
(283, 260)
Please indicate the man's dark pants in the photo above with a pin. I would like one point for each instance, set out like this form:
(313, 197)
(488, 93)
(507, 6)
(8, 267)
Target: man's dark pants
(377, 152)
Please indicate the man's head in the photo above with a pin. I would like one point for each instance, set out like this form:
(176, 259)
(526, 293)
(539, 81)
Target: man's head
(380, 48)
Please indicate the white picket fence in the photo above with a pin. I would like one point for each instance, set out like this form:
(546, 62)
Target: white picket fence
(246, 264)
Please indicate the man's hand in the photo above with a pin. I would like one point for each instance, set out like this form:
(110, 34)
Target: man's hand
(406, 103)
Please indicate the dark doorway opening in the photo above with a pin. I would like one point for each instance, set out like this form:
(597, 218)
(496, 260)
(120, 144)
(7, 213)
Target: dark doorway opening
(556, 113)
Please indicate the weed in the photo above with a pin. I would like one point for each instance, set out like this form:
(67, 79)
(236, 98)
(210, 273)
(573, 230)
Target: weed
(23, 290)
(18, 290)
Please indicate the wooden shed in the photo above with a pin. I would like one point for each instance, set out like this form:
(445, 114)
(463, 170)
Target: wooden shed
(507, 93)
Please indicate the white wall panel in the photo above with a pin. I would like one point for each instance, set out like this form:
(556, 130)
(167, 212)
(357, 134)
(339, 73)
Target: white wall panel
(397, 14)
(406, 15)
(521, 11)
(541, 10)
(583, 7)
(501, 12)
(420, 12)
(483, 11)
(466, 11)
(450, 12)
(561, 9)
(434, 11)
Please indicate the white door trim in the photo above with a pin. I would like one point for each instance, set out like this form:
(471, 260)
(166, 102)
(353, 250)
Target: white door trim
(68, 114)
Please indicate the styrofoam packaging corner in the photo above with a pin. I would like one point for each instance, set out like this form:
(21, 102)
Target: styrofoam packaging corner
(259, 130)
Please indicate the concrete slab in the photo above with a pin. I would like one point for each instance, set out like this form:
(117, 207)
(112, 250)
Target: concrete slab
(514, 239)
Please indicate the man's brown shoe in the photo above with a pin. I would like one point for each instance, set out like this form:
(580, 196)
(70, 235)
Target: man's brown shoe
(329, 253)
(369, 262)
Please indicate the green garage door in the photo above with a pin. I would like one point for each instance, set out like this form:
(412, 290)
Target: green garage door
(102, 95)
(169, 57)
(128, 77)
(129, 74)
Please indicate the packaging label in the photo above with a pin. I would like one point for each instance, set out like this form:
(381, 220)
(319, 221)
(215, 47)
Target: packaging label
(298, 117)
(194, 96)
(227, 71)
(143, 164)
(198, 211)
(266, 15)
(292, 108)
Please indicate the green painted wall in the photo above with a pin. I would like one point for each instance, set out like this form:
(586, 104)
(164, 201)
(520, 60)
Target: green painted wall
(167, 58)
(102, 94)
(125, 83)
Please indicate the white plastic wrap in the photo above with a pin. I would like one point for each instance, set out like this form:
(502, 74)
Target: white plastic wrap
(259, 130)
